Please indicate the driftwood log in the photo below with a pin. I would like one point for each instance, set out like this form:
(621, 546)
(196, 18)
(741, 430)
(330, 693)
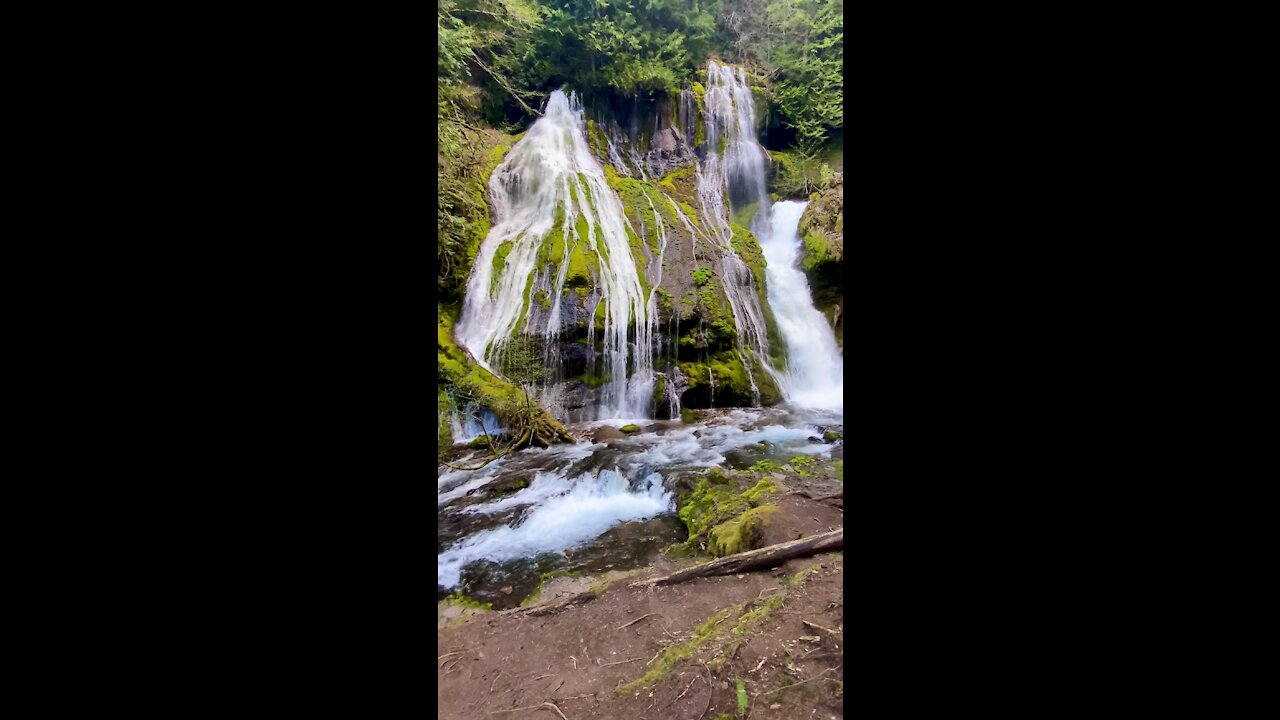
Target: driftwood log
(764, 557)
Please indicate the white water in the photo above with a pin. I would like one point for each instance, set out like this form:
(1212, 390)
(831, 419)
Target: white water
(580, 491)
(584, 509)
(740, 172)
(551, 168)
(815, 368)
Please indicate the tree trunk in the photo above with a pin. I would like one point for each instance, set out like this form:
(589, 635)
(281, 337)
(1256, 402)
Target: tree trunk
(764, 557)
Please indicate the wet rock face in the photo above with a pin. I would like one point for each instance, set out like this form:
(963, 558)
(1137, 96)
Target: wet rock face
(670, 152)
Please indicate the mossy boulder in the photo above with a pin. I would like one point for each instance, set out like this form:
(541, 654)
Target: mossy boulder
(716, 499)
(460, 374)
(742, 533)
(630, 428)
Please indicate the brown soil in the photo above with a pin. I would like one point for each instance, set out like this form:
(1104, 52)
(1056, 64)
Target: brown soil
(507, 664)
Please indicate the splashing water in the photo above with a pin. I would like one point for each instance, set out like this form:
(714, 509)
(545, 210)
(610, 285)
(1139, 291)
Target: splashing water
(587, 508)
(550, 171)
(815, 373)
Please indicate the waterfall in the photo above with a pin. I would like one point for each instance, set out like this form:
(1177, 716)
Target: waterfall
(815, 373)
(546, 186)
(736, 165)
(472, 422)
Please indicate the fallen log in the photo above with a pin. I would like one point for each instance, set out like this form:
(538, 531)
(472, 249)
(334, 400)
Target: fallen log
(762, 558)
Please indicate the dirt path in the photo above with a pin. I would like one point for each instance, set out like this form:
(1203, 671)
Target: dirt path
(665, 653)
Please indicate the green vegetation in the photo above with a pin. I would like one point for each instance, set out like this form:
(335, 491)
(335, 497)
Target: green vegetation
(831, 436)
(463, 379)
(461, 600)
(701, 276)
(741, 533)
(766, 466)
(728, 520)
(630, 428)
(687, 416)
(802, 460)
(816, 250)
(742, 698)
(674, 654)
(839, 466)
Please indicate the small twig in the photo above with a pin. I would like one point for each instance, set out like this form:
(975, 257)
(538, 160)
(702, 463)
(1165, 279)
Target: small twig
(711, 692)
(686, 688)
(532, 707)
(655, 657)
(543, 676)
(448, 655)
(759, 665)
(496, 678)
(815, 626)
(621, 662)
(633, 622)
(575, 662)
(815, 677)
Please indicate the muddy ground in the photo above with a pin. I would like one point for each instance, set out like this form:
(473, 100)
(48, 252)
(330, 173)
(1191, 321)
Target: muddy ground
(665, 653)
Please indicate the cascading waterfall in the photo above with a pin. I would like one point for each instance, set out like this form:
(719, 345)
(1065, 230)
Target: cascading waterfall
(550, 170)
(736, 165)
(815, 371)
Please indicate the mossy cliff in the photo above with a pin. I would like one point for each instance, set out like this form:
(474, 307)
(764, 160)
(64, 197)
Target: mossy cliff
(822, 230)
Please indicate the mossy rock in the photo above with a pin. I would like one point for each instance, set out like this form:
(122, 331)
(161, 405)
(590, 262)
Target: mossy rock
(630, 428)
(831, 436)
(457, 370)
(508, 487)
(743, 533)
(687, 416)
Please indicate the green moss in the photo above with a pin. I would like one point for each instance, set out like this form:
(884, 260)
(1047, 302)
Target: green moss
(741, 533)
(499, 261)
(659, 387)
(495, 158)
(681, 175)
(687, 416)
(701, 276)
(831, 436)
(802, 460)
(760, 489)
(457, 370)
(666, 300)
(461, 600)
(444, 428)
(765, 466)
(510, 487)
(542, 299)
(742, 216)
(482, 441)
(630, 428)
(710, 503)
(581, 260)
(675, 653)
(815, 250)
(839, 466)
(592, 381)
